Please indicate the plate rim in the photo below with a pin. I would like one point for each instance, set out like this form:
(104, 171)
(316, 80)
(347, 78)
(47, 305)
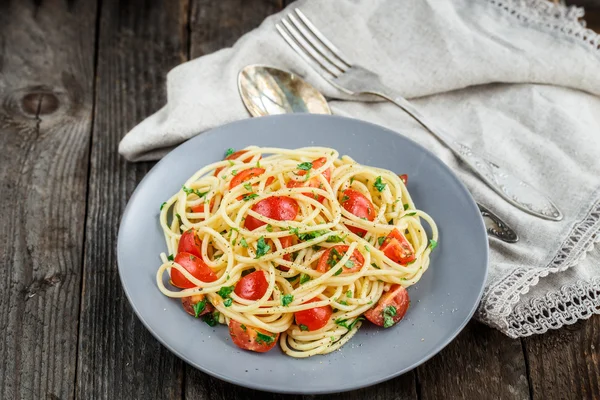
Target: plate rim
(281, 389)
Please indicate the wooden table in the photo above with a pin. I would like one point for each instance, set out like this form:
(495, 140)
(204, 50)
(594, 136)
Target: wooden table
(74, 77)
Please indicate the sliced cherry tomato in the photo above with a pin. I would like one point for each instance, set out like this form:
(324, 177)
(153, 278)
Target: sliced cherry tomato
(358, 204)
(234, 156)
(200, 207)
(195, 266)
(252, 286)
(190, 243)
(390, 308)
(404, 178)
(245, 175)
(250, 338)
(313, 182)
(334, 254)
(280, 208)
(190, 302)
(397, 248)
(313, 318)
(286, 241)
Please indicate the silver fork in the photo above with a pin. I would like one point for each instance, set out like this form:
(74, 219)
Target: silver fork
(310, 44)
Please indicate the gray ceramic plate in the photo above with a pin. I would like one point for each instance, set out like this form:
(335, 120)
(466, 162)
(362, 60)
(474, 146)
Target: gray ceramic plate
(441, 303)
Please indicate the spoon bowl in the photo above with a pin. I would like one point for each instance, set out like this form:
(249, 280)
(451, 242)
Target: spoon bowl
(269, 91)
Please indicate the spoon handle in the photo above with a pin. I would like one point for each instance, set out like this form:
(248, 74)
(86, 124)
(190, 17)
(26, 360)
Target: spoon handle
(514, 190)
(497, 227)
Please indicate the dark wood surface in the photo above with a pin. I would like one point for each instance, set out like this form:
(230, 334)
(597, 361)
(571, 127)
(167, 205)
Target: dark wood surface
(75, 76)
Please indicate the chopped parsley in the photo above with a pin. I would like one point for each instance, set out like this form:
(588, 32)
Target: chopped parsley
(179, 218)
(334, 257)
(248, 187)
(335, 239)
(231, 163)
(198, 193)
(262, 338)
(344, 323)
(304, 278)
(170, 258)
(243, 327)
(345, 199)
(225, 291)
(234, 172)
(351, 180)
(379, 185)
(381, 240)
(339, 271)
(162, 205)
(305, 166)
(303, 327)
(406, 207)
(287, 299)
(262, 247)
(243, 243)
(432, 244)
(410, 214)
(269, 228)
(199, 307)
(367, 249)
(293, 231)
(349, 293)
(211, 319)
(311, 235)
(227, 302)
(229, 152)
(316, 247)
(375, 265)
(349, 264)
(250, 196)
(388, 313)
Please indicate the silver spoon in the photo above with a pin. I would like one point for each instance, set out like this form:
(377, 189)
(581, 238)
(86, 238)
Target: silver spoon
(269, 91)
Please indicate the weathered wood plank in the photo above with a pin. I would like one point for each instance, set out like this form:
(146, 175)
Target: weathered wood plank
(481, 363)
(565, 363)
(139, 42)
(46, 83)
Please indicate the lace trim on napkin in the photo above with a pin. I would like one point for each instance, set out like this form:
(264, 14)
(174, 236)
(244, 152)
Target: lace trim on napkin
(556, 308)
(551, 17)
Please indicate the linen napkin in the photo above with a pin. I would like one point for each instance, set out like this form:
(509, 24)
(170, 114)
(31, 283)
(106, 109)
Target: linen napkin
(519, 79)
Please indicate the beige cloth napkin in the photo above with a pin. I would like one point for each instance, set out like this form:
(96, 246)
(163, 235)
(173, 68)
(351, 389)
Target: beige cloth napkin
(519, 79)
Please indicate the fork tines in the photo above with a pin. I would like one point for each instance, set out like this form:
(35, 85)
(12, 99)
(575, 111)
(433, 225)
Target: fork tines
(306, 40)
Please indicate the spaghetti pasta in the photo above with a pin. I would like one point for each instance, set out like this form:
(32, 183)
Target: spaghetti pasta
(295, 246)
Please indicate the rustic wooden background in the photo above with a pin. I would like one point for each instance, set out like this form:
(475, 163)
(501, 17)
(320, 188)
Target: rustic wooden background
(74, 77)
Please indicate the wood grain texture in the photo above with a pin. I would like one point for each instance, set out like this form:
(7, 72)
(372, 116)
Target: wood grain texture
(46, 102)
(481, 363)
(565, 364)
(139, 42)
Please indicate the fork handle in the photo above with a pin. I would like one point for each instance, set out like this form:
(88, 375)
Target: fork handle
(511, 188)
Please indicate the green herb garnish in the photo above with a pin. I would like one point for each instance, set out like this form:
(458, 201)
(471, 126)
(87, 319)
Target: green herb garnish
(250, 196)
(335, 239)
(170, 258)
(248, 187)
(334, 257)
(269, 228)
(339, 271)
(287, 299)
(293, 231)
(303, 327)
(243, 327)
(229, 152)
(199, 307)
(406, 207)
(193, 191)
(262, 338)
(349, 264)
(381, 240)
(344, 322)
(349, 293)
(410, 214)
(345, 199)
(432, 244)
(227, 302)
(311, 235)
(211, 319)
(388, 313)
(225, 291)
(304, 278)
(305, 166)
(375, 265)
(243, 243)
(162, 205)
(262, 247)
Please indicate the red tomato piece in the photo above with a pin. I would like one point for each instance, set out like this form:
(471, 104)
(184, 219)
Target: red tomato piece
(397, 248)
(245, 175)
(250, 338)
(190, 243)
(313, 318)
(313, 182)
(358, 204)
(252, 286)
(235, 156)
(286, 241)
(200, 207)
(404, 178)
(390, 308)
(334, 254)
(195, 266)
(280, 208)
(190, 301)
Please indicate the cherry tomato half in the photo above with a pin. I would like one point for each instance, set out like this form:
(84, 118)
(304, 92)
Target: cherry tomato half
(390, 308)
(200, 207)
(404, 178)
(190, 301)
(313, 182)
(245, 175)
(190, 243)
(252, 286)
(195, 266)
(250, 338)
(235, 156)
(334, 254)
(397, 248)
(280, 208)
(358, 204)
(313, 318)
